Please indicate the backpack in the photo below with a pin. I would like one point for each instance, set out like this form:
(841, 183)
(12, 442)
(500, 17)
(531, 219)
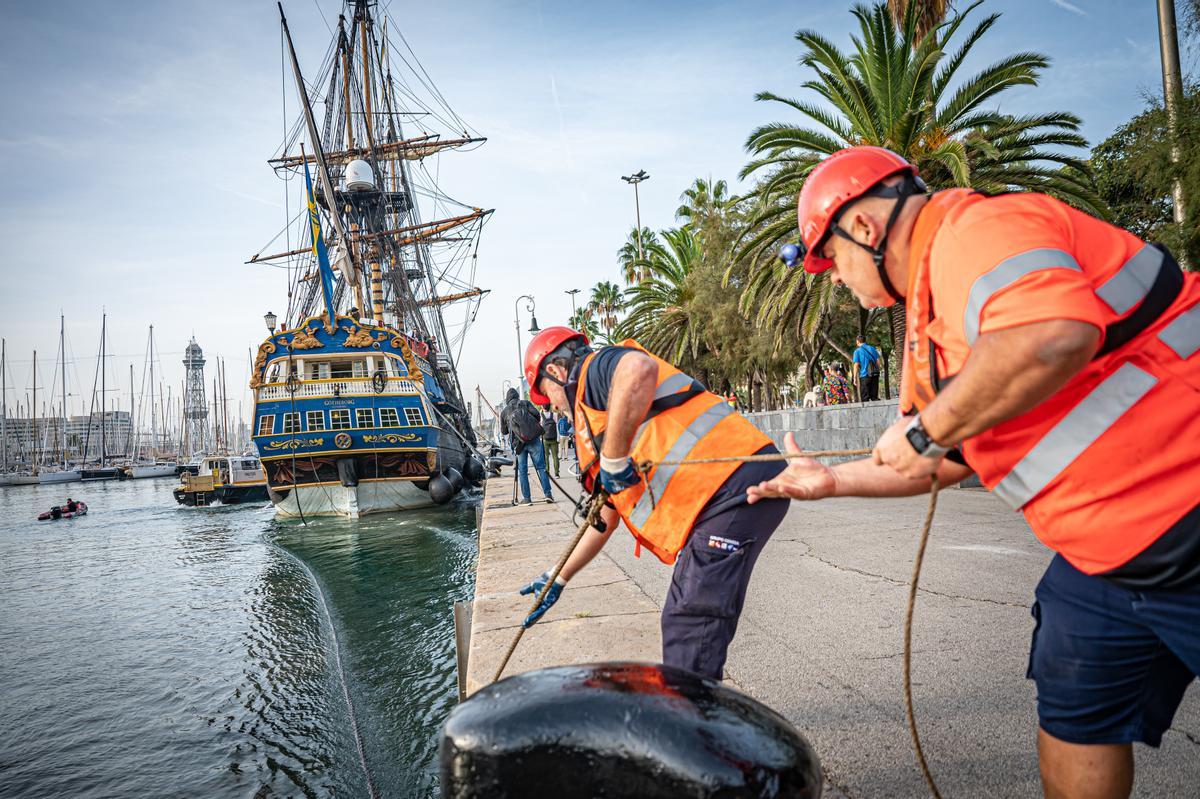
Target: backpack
(524, 422)
(873, 363)
(549, 428)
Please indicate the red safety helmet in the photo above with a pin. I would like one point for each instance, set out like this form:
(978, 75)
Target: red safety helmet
(544, 343)
(840, 179)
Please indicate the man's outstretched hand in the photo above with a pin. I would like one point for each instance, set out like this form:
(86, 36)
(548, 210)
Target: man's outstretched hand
(804, 478)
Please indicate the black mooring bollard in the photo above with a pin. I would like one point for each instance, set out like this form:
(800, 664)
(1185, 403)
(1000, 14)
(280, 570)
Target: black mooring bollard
(621, 731)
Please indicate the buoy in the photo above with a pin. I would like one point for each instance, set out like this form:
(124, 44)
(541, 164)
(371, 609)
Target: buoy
(456, 479)
(441, 490)
(622, 731)
(473, 470)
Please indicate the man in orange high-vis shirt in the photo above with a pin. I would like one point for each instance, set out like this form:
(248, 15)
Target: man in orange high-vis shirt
(1058, 357)
(630, 406)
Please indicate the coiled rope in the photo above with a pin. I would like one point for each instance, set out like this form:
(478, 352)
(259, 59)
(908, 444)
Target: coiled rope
(644, 467)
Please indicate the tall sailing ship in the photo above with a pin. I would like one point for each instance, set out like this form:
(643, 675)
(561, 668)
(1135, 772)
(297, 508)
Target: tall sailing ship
(357, 402)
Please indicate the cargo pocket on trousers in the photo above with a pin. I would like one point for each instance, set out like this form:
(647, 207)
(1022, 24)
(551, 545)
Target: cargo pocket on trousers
(708, 581)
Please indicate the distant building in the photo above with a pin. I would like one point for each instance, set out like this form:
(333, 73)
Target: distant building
(112, 428)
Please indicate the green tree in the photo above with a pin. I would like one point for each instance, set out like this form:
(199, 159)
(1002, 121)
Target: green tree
(661, 312)
(900, 90)
(633, 270)
(606, 303)
(702, 201)
(928, 13)
(585, 324)
(1134, 175)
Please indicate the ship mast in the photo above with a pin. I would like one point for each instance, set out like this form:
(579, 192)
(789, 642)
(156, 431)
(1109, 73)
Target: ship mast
(4, 400)
(62, 358)
(33, 416)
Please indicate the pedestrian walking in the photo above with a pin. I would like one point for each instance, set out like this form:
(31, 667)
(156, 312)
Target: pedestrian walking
(1058, 357)
(835, 387)
(550, 440)
(866, 358)
(629, 406)
(566, 432)
(520, 420)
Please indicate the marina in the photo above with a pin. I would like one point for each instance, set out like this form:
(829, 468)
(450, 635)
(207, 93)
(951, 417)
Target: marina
(626, 400)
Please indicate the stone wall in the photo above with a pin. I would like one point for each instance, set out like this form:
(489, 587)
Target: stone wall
(854, 426)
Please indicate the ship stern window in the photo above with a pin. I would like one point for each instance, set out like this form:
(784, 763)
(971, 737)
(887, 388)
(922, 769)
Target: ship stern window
(318, 371)
(342, 369)
(339, 419)
(266, 425)
(397, 367)
(388, 417)
(413, 417)
(366, 417)
(359, 368)
(291, 422)
(316, 420)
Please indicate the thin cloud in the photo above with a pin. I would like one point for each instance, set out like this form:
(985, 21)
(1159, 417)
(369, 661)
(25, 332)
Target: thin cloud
(1074, 9)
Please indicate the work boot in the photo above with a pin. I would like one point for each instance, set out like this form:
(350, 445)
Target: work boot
(549, 500)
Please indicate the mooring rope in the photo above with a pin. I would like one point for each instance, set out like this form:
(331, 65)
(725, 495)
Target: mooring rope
(337, 659)
(644, 467)
(593, 516)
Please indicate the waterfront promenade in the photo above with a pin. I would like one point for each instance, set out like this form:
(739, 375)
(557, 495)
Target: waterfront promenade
(821, 637)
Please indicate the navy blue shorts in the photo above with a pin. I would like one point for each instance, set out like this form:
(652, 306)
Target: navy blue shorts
(1111, 664)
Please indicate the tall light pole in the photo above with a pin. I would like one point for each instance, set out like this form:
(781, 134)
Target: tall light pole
(1168, 42)
(634, 180)
(533, 328)
(572, 292)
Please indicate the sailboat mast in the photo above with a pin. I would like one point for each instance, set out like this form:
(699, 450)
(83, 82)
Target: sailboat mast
(4, 400)
(33, 415)
(224, 406)
(103, 391)
(153, 418)
(129, 439)
(62, 359)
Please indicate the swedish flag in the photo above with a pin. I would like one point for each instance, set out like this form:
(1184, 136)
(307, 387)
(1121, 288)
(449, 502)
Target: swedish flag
(318, 247)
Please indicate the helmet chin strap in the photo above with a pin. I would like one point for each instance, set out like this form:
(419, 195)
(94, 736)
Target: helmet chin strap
(901, 191)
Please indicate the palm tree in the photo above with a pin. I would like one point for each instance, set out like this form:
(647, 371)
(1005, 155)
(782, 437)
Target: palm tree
(606, 302)
(899, 89)
(929, 13)
(634, 271)
(702, 201)
(585, 324)
(662, 316)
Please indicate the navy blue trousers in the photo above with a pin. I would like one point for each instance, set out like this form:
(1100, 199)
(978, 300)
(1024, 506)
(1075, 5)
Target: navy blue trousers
(708, 587)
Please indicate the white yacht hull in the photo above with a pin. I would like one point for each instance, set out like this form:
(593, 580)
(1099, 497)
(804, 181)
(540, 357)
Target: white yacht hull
(381, 496)
(152, 470)
(23, 480)
(68, 476)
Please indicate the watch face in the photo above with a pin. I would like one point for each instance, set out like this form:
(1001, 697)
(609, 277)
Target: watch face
(918, 438)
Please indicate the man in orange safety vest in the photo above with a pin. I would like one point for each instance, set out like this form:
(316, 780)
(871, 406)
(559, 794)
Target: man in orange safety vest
(630, 407)
(1058, 357)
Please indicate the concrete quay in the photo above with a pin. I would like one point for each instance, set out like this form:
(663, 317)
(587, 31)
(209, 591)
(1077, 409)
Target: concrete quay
(820, 640)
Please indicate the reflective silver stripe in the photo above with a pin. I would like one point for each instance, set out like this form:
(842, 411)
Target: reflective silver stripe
(1077, 431)
(1183, 334)
(701, 426)
(1132, 281)
(1003, 275)
(672, 385)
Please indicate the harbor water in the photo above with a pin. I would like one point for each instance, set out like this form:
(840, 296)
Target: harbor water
(152, 650)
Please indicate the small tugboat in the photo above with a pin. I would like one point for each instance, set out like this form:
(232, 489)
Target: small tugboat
(223, 479)
(64, 511)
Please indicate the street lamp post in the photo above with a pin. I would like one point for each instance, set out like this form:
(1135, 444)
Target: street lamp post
(572, 292)
(634, 180)
(533, 328)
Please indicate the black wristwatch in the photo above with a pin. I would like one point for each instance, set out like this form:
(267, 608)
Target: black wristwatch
(922, 442)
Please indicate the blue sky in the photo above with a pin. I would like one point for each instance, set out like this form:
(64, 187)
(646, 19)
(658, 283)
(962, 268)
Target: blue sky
(135, 136)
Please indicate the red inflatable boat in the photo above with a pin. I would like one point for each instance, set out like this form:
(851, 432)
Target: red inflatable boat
(62, 513)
